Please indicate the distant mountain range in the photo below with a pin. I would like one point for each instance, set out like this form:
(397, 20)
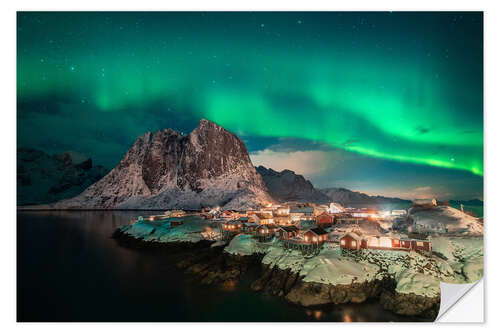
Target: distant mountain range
(346, 197)
(44, 178)
(167, 169)
(288, 186)
(473, 202)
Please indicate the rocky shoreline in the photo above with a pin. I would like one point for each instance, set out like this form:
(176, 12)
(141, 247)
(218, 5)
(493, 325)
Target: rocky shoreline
(212, 266)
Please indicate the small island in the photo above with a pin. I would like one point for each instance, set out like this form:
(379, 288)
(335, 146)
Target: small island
(314, 255)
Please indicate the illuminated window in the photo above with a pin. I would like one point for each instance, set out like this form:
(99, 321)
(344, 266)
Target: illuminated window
(373, 242)
(385, 242)
(353, 243)
(420, 243)
(342, 242)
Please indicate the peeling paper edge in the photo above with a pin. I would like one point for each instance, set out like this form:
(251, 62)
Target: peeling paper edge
(461, 303)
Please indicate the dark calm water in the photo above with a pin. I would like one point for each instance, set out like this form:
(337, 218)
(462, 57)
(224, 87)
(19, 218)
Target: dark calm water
(69, 269)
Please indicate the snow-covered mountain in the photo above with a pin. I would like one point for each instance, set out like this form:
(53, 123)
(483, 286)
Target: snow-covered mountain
(288, 186)
(454, 220)
(348, 197)
(167, 169)
(44, 178)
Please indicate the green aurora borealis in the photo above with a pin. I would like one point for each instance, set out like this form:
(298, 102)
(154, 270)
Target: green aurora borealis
(405, 89)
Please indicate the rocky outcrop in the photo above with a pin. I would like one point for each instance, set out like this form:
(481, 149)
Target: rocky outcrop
(44, 178)
(346, 197)
(288, 186)
(275, 281)
(410, 304)
(169, 170)
(311, 293)
(213, 266)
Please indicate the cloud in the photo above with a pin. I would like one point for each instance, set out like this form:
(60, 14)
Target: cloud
(423, 189)
(302, 162)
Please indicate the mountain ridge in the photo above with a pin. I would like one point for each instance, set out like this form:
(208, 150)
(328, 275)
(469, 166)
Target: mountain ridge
(345, 197)
(286, 185)
(167, 169)
(43, 178)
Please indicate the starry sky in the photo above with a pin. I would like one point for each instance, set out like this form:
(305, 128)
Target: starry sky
(387, 103)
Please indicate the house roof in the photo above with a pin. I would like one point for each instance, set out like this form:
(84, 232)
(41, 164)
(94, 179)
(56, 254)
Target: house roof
(352, 235)
(234, 222)
(302, 209)
(290, 228)
(325, 213)
(268, 226)
(319, 231)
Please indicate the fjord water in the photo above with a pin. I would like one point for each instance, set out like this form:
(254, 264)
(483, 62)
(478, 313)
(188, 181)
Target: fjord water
(70, 269)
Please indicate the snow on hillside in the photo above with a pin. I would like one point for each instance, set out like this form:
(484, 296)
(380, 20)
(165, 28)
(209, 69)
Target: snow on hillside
(453, 219)
(363, 227)
(245, 245)
(463, 254)
(409, 281)
(191, 231)
(331, 267)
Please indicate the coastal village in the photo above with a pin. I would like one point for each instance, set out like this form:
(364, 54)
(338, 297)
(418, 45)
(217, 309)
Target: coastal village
(308, 227)
(332, 254)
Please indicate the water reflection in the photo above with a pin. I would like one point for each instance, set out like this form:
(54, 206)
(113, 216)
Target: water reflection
(70, 269)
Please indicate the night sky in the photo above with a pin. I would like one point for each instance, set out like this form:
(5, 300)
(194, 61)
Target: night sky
(388, 103)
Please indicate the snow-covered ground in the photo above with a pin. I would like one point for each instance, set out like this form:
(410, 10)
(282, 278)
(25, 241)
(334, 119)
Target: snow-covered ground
(364, 227)
(193, 230)
(459, 258)
(331, 267)
(464, 255)
(453, 219)
(409, 281)
(413, 272)
(245, 245)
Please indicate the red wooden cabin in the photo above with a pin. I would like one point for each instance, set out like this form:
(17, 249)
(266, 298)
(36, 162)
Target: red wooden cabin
(396, 243)
(421, 245)
(286, 232)
(324, 220)
(266, 229)
(249, 227)
(351, 241)
(405, 243)
(315, 236)
(232, 226)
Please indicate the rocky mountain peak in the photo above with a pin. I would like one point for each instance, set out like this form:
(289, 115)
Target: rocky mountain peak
(166, 169)
(289, 186)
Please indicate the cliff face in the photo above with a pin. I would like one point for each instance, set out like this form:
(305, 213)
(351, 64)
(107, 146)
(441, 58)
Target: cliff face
(44, 178)
(166, 169)
(346, 197)
(288, 186)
